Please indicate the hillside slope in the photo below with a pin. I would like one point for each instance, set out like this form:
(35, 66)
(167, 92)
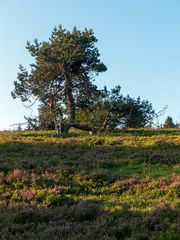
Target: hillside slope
(77, 186)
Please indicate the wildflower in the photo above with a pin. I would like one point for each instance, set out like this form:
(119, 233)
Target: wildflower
(58, 189)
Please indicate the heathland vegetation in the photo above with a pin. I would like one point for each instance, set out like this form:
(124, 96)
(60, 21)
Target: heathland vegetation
(124, 185)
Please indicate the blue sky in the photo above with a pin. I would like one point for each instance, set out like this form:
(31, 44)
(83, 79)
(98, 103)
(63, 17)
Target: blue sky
(139, 41)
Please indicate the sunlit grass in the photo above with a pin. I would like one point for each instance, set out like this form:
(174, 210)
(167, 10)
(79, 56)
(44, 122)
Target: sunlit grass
(124, 185)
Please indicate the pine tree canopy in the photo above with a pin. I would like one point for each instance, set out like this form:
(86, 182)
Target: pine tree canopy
(63, 71)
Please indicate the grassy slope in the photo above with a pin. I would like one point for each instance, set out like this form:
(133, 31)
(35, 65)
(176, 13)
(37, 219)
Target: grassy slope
(121, 186)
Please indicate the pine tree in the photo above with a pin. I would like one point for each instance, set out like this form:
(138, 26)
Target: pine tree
(169, 123)
(62, 75)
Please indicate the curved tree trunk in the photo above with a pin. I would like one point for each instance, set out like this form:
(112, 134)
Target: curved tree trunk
(106, 121)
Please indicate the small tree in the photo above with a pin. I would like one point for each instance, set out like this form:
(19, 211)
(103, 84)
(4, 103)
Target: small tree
(169, 123)
(111, 110)
(141, 113)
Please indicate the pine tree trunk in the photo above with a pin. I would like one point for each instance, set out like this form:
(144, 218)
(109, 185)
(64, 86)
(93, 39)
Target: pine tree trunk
(69, 101)
(105, 123)
(61, 127)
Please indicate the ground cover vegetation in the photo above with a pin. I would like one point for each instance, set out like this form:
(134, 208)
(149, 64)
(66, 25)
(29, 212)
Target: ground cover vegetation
(122, 185)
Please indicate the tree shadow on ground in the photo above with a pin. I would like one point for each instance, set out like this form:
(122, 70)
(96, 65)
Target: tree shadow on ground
(72, 157)
(86, 220)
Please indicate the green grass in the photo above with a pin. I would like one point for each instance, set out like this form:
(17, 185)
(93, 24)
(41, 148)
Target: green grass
(124, 185)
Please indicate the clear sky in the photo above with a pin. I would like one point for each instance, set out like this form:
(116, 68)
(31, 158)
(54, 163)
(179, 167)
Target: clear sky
(139, 41)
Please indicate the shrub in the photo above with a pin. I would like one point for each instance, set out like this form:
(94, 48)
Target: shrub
(85, 210)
